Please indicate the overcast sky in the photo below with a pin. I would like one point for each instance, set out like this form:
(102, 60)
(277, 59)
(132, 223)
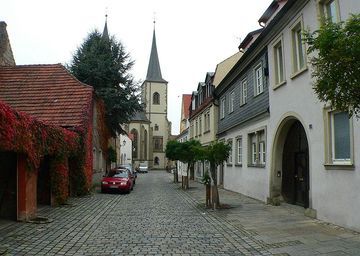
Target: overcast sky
(192, 35)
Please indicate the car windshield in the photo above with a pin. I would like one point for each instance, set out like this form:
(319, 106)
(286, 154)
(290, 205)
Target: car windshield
(118, 174)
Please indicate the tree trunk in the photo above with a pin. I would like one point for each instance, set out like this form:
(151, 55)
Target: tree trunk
(187, 176)
(207, 196)
(214, 191)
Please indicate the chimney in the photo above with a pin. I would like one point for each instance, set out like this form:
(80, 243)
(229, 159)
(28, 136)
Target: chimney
(6, 54)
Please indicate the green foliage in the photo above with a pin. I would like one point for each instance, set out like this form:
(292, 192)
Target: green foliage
(206, 179)
(105, 65)
(187, 151)
(337, 63)
(111, 155)
(172, 150)
(217, 152)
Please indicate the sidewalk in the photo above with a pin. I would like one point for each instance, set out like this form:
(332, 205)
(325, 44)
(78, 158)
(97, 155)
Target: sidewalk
(284, 229)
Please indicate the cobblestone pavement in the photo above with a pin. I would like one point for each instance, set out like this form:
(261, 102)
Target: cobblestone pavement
(158, 218)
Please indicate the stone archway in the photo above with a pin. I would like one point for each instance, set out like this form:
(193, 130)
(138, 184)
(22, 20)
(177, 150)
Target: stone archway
(290, 179)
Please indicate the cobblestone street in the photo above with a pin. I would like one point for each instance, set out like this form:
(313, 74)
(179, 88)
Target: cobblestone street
(158, 218)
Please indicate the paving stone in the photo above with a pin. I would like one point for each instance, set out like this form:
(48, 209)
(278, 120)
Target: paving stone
(158, 218)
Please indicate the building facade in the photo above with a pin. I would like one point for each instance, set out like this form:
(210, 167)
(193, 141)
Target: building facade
(287, 146)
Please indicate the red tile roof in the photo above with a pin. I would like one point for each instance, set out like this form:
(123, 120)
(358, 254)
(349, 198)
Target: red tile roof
(47, 92)
(186, 100)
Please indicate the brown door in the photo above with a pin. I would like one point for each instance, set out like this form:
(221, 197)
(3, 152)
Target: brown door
(301, 180)
(295, 167)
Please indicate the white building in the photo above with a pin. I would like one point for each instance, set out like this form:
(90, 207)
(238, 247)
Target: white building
(301, 151)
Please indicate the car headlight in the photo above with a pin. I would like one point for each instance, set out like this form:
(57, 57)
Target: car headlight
(105, 182)
(123, 183)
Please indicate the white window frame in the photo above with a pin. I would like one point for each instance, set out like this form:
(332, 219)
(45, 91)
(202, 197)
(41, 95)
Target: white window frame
(332, 139)
(330, 161)
(279, 67)
(243, 98)
(253, 153)
(257, 148)
(231, 101)
(230, 158)
(262, 153)
(239, 150)
(259, 80)
(222, 107)
(295, 31)
(324, 10)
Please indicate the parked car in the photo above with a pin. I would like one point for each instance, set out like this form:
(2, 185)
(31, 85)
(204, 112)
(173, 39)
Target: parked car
(119, 179)
(129, 167)
(143, 168)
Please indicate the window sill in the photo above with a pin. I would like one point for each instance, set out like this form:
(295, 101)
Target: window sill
(238, 165)
(297, 73)
(242, 104)
(276, 86)
(229, 164)
(256, 95)
(207, 132)
(257, 165)
(345, 167)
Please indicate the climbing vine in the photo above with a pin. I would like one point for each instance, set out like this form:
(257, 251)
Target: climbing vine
(23, 134)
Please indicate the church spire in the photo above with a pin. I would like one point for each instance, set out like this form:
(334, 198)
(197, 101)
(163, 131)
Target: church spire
(154, 71)
(105, 34)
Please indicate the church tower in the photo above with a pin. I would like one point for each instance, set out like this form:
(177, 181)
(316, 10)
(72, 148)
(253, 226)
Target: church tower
(154, 96)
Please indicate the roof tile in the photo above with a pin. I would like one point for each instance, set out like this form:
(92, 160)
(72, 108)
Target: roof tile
(47, 92)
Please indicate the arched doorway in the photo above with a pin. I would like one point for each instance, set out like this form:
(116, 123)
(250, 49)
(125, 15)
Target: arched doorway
(290, 170)
(295, 166)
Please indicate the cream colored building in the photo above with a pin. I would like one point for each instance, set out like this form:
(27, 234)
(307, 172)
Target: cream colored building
(151, 127)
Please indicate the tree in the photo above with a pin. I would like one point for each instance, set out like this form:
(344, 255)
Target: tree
(336, 63)
(103, 63)
(187, 154)
(216, 154)
(172, 153)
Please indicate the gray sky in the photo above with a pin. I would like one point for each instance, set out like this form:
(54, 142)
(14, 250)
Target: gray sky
(192, 35)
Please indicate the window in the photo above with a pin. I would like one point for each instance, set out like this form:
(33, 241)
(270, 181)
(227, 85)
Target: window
(156, 161)
(298, 48)
(196, 128)
(239, 150)
(207, 121)
(278, 63)
(259, 86)
(158, 143)
(330, 10)
(340, 138)
(230, 158)
(231, 102)
(200, 126)
(257, 148)
(156, 98)
(156, 127)
(134, 132)
(222, 108)
(243, 98)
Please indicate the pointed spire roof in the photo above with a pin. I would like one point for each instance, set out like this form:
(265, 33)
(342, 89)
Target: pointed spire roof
(154, 71)
(105, 34)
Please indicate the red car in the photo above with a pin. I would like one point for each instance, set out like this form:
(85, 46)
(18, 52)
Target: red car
(119, 180)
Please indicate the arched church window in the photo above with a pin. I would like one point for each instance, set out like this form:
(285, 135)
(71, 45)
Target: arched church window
(134, 132)
(156, 98)
(156, 161)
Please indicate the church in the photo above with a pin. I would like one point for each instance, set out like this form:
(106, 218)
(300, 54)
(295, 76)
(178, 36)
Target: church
(151, 129)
